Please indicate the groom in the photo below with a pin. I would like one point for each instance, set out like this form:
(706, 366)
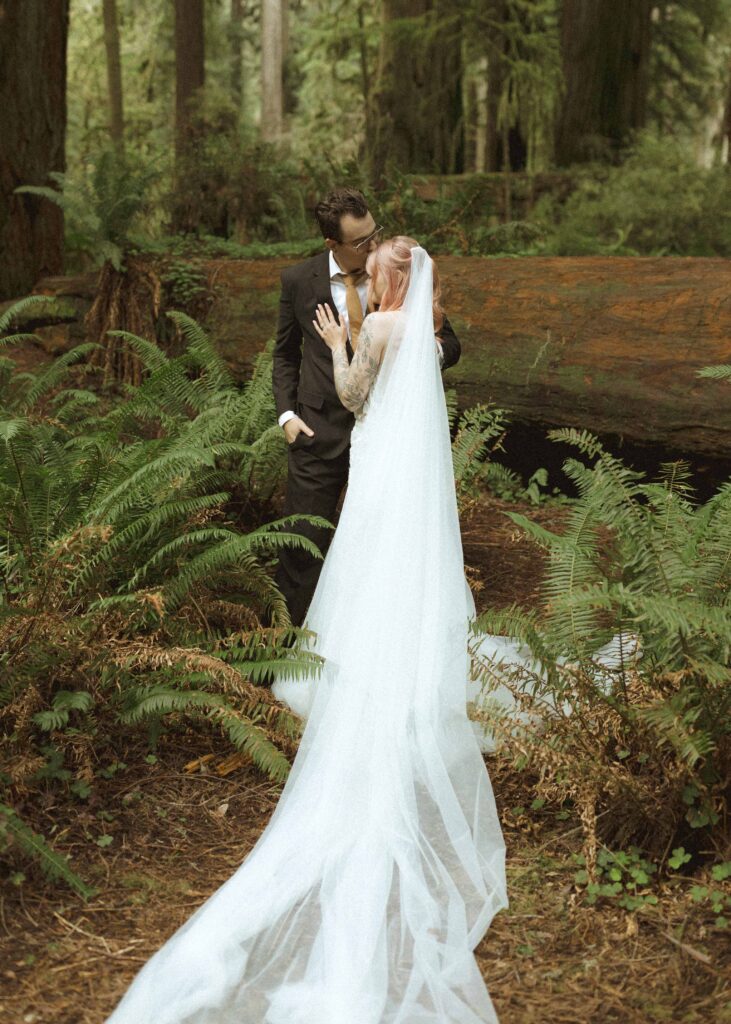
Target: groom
(316, 424)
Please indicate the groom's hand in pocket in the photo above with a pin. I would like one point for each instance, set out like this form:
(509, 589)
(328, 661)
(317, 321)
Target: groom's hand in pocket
(294, 426)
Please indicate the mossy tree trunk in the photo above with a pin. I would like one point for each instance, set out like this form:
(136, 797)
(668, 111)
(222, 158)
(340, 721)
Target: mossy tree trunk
(189, 79)
(726, 127)
(505, 147)
(114, 74)
(605, 48)
(236, 39)
(128, 300)
(272, 68)
(33, 129)
(416, 108)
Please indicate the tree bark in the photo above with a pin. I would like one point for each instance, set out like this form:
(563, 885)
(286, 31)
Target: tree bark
(493, 142)
(610, 344)
(726, 129)
(33, 37)
(236, 37)
(605, 48)
(416, 112)
(494, 48)
(114, 74)
(189, 70)
(365, 76)
(272, 64)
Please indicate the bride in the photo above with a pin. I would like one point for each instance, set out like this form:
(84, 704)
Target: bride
(383, 863)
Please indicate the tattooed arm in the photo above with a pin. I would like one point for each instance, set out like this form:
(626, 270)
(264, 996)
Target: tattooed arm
(352, 380)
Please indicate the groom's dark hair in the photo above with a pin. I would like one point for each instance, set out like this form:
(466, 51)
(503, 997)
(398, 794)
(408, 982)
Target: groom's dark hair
(337, 203)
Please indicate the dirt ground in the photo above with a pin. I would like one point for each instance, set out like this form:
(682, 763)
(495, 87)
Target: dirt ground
(179, 835)
(179, 832)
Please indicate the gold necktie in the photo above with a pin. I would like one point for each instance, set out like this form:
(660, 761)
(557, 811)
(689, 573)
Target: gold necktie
(355, 309)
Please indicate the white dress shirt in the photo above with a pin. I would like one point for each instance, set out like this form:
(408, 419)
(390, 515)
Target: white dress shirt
(339, 294)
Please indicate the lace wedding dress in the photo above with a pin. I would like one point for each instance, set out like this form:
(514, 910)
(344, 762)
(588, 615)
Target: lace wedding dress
(383, 863)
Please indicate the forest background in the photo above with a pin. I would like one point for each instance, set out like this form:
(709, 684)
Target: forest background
(159, 165)
(233, 118)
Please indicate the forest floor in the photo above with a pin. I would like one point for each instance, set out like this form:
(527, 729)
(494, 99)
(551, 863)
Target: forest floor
(179, 829)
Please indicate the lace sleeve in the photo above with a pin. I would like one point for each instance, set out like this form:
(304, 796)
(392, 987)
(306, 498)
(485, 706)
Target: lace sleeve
(353, 381)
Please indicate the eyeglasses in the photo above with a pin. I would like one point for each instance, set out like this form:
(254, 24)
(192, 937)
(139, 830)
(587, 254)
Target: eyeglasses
(374, 236)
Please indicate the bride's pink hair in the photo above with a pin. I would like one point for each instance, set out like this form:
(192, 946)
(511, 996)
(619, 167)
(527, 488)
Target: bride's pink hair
(393, 260)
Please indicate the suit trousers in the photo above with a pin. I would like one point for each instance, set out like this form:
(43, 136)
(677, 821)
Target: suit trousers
(314, 486)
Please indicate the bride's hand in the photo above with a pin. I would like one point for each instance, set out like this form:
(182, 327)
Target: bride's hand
(332, 333)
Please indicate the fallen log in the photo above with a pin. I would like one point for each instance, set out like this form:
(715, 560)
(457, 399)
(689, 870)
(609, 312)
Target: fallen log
(611, 344)
(607, 344)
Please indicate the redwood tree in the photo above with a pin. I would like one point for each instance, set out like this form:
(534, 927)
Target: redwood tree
(416, 110)
(236, 37)
(505, 148)
(273, 42)
(605, 48)
(725, 141)
(189, 70)
(33, 36)
(114, 73)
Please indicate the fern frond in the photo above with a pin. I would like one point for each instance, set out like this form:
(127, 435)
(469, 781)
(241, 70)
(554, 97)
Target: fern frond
(450, 397)
(163, 699)
(676, 722)
(587, 443)
(217, 372)
(519, 624)
(167, 465)
(55, 372)
(721, 372)
(235, 551)
(16, 310)
(148, 527)
(478, 432)
(151, 355)
(251, 740)
(33, 845)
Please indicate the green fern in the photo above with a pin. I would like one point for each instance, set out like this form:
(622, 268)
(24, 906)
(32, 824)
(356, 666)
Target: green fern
(54, 866)
(16, 311)
(158, 700)
(479, 433)
(450, 396)
(201, 352)
(722, 372)
(633, 558)
(100, 208)
(119, 522)
(249, 739)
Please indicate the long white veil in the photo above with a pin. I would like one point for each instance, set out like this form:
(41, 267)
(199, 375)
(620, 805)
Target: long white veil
(383, 862)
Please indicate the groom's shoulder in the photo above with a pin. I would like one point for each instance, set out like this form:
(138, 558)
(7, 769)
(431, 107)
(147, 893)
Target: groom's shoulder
(305, 268)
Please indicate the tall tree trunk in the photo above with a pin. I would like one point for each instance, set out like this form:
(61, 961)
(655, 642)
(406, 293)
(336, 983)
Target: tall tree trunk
(416, 113)
(605, 48)
(272, 62)
(481, 119)
(365, 76)
(290, 95)
(189, 69)
(114, 74)
(495, 52)
(236, 38)
(493, 136)
(470, 107)
(33, 36)
(726, 127)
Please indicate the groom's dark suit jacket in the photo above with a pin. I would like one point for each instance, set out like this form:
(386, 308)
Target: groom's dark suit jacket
(302, 374)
